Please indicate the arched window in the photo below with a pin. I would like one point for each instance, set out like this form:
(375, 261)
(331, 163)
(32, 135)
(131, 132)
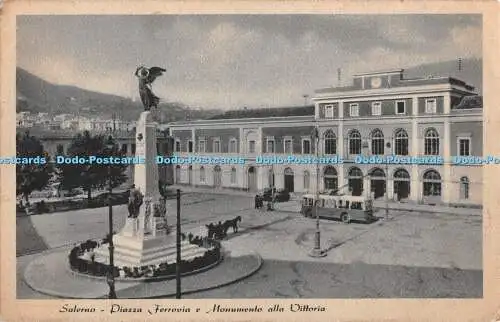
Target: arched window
(355, 173)
(355, 179)
(377, 142)
(401, 184)
(307, 179)
(432, 183)
(401, 175)
(464, 188)
(377, 173)
(330, 142)
(401, 142)
(431, 142)
(330, 178)
(203, 177)
(354, 142)
(289, 180)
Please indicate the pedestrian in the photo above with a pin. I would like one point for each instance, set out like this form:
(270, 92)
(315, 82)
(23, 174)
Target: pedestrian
(256, 201)
(260, 201)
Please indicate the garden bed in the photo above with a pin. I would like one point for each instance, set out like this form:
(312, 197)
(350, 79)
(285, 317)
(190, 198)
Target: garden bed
(161, 271)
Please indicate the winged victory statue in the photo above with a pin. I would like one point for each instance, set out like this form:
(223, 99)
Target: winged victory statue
(146, 77)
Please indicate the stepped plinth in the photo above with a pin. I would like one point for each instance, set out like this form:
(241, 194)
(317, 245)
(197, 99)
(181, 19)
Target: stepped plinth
(146, 239)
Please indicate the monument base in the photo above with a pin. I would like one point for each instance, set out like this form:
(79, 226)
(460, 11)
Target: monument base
(135, 251)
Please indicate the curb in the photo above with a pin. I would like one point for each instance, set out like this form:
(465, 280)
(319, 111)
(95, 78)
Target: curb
(252, 272)
(432, 211)
(65, 296)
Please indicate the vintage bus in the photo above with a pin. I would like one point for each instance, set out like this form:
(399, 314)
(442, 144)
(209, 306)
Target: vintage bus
(344, 208)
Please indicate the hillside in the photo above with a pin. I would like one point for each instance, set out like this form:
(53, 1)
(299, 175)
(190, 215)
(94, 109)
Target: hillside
(37, 95)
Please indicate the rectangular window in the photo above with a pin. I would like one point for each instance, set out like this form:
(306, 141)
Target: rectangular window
(329, 111)
(306, 146)
(202, 146)
(132, 148)
(190, 146)
(288, 146)
(354, 110)
(177, 146)
(430, 106)
(464, 147)
(251, 146)
(376, 108)
(232, 146)
(216, 147)
(400, 107)
(124, 148)
(270, 146)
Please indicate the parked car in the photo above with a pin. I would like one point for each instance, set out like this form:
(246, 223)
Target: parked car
(282, 195)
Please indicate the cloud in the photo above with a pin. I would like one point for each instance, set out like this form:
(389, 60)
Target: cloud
(227, 61)
(468, 40)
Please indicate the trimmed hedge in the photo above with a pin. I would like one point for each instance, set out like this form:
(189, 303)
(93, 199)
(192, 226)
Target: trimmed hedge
(93, 268)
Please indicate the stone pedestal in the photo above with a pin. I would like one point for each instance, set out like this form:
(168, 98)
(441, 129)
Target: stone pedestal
(147, 239)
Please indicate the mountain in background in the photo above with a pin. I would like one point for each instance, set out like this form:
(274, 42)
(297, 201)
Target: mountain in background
(37, 95)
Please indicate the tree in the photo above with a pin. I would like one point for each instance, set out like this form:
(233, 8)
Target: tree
(31, 176)
(91, 176)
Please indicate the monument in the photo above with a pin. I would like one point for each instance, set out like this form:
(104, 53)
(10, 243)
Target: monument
(146, 238)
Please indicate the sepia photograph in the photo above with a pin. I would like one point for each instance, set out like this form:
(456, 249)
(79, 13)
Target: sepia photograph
(249, 156)
(241, 161)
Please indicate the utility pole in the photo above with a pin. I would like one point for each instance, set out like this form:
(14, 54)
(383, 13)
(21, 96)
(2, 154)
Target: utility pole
(386, 191)
(316, 251)
(111, 272)
(178, 262)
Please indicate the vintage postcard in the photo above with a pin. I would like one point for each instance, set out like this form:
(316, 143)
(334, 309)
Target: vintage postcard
(237, 161)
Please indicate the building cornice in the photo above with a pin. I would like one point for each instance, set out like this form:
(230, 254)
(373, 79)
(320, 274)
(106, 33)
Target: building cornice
(400, 91)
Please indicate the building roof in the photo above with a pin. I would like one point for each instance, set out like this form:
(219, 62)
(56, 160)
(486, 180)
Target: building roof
(267, 112)
(404, 83)
(469, 102)
(381, 72)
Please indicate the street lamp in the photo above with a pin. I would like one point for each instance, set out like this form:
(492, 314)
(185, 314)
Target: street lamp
(111, 276)
(386, 197)
(316, 251)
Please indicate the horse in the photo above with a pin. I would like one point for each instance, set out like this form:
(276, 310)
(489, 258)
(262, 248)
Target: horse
(232, 223)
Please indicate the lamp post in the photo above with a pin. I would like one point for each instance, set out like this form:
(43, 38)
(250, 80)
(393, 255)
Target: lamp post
(178, 248)
(111, 275)
(316, 251)
(386, 198)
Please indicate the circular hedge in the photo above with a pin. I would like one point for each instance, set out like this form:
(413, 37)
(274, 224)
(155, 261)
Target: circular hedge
(92, 268)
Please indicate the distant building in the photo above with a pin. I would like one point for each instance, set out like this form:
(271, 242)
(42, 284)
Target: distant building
(58, 142)
(24, 119)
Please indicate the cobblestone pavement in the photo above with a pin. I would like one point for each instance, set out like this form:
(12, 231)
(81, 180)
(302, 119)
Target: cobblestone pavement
(414, 248)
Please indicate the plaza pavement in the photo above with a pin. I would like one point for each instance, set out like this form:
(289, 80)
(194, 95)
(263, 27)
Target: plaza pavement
(294, 203)
(451, 243)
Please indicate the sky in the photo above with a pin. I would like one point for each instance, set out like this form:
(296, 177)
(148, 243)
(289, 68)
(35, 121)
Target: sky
(232, 61)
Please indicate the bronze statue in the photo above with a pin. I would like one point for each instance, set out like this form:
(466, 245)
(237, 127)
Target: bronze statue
(146, 77)
(134, 202)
